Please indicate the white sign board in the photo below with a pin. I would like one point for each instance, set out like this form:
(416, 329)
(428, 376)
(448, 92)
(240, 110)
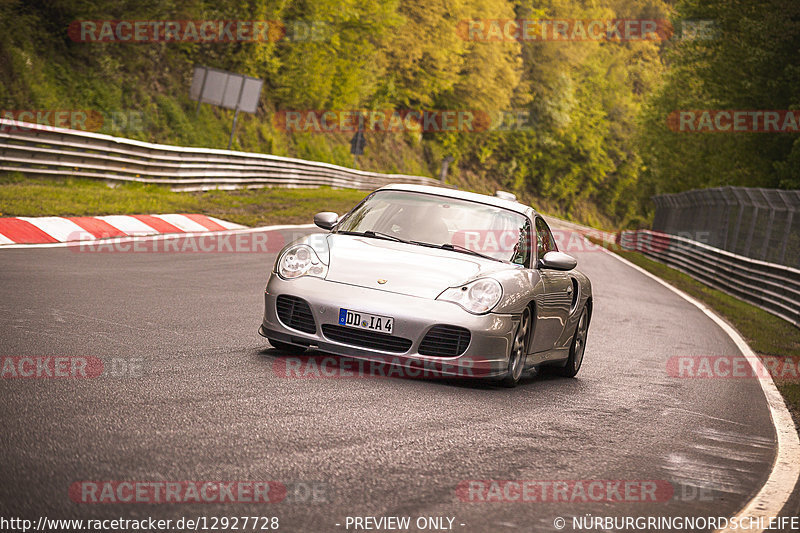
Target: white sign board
(225, 89)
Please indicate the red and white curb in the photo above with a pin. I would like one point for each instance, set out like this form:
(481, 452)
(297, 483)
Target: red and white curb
(49, 230)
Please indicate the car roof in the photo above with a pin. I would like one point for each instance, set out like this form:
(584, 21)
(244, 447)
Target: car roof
(464, 195)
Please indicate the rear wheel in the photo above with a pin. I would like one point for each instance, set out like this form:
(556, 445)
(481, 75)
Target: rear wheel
(578, 346)
(292, 349)
(519, 349)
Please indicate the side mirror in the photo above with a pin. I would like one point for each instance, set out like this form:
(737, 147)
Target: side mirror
(557, 261)
(326, 219)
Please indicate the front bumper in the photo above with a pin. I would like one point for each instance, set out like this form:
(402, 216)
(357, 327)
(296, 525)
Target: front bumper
(485, 356)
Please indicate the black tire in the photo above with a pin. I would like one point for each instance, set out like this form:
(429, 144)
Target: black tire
(519, 349)
(577, 348)
(291, 349)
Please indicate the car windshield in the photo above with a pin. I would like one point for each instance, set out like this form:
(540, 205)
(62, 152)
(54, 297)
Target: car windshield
(437, 220)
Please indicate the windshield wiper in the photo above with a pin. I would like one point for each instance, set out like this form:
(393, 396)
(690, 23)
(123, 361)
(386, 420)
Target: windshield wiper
(370, 233)
(375, 235)
(464, 250)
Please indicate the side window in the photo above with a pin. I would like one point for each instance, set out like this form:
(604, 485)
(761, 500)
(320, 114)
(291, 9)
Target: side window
(544, 239)
(523, 247)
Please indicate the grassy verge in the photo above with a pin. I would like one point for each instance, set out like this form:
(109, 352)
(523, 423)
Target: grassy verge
(766, 334)
(22, 195)
(30, 196)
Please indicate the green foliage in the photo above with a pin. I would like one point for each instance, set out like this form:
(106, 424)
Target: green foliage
(337, 64)
(593, 142)
(750, 63)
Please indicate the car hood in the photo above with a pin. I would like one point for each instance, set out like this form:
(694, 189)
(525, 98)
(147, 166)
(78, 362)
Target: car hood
(406, 268)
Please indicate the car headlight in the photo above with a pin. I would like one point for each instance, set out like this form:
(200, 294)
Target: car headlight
(301, 260)
(477, 297)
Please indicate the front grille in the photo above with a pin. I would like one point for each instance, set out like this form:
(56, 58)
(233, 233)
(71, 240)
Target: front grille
(366, 339)
(295, 313)
(445, 341)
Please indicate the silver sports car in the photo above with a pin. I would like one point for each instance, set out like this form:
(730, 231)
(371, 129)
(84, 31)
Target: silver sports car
(468, 284)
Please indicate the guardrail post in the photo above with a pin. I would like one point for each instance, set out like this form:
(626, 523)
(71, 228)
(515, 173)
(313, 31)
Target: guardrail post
(697, 211)
(202, 90)
(742, 204)
(771, 221)
(671, 212)
(788, 228)
(727, 216)
(752, 230)
(445, 165)
(786, 233)
(709, 206)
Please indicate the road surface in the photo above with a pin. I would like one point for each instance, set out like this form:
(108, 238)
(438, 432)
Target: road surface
(205, 403)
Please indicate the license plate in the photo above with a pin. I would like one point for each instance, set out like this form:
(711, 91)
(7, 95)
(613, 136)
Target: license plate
(357, 319)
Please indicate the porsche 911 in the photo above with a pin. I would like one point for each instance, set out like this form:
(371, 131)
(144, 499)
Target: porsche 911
(466, 283)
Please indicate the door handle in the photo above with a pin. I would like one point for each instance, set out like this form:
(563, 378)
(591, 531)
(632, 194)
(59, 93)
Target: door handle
(568, 290)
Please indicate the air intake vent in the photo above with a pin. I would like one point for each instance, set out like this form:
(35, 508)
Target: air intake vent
(445, 341)
(575, 294)
(366, 339)
(295, 313)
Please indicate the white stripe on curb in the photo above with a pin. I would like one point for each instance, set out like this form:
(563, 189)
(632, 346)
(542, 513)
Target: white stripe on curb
(5, 240)
(770, 500)
(225, 224)
(182, 223)
(128, 224)
(61, 229)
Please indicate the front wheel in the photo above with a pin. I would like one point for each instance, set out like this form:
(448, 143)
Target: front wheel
(519, 350)
(578, 346)
(292, 349)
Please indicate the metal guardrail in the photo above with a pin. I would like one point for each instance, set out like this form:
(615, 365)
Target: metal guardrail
(772, 287)
(46, 150)
(759, 223)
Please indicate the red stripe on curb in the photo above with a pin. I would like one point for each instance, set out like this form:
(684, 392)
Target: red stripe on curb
(206, 222)
(98, 228)
(24, 232)
(158, 224)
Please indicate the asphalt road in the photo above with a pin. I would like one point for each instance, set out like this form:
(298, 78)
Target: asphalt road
(207, 404)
